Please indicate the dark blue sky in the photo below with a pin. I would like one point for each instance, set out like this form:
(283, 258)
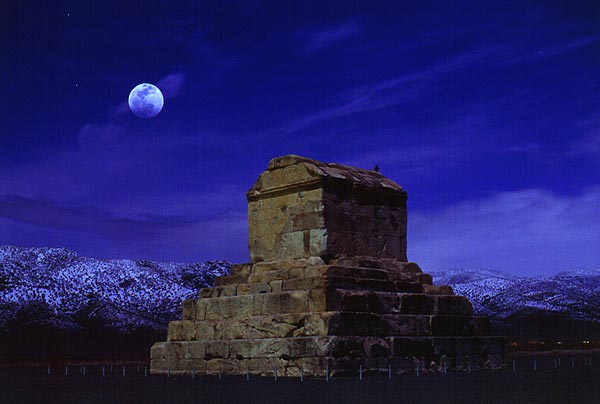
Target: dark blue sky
(487, 114)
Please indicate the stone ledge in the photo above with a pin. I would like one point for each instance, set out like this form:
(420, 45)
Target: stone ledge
(327, 346)
(327, 323)
(321, 300)
(294, 270)
(315, 354)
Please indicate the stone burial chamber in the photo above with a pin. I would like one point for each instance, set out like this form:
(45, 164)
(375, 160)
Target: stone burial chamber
(328, 288)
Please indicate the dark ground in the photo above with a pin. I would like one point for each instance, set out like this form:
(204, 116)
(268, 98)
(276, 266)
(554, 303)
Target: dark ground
(547, 384)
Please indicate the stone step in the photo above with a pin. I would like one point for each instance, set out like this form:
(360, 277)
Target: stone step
(315, 354)
(388, 264)
(240, 276)
(326, 346)
(320, 300)
(370, 324)
(318, 271)
(327, 323)
(314, 282)
(400, 303)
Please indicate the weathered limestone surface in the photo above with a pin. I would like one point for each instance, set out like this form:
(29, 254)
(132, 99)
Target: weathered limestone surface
(329, 286)
(300, 208)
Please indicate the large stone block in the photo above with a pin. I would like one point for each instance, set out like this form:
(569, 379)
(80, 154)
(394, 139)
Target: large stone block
(406, 346)
(272, 326)
(196, 349)
(229, 307)
(459, 325)
(417, 304)
(408, 325)
(282, 302)
(188, 311)
(158, 351)
(181, 331)
(293, 302)
(360, 324)
(283, 264)
(216, 349)
(453, 305)
(223, 365)
(205, 330)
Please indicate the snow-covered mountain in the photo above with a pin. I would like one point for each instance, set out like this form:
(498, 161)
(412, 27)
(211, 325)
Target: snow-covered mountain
(58, 287)
(500, 295)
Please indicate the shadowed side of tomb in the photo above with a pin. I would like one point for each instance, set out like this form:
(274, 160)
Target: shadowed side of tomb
(329, 287)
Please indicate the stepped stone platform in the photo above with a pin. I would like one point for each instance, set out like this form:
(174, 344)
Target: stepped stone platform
(329, 288)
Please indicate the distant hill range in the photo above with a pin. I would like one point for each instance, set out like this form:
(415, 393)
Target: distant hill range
(54, 303)
(565, 306)
(54, 295)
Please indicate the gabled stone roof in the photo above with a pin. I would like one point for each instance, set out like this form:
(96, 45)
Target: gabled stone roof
(316, 171)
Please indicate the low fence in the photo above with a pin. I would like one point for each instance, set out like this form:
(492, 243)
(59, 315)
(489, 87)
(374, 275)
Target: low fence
(517, 365)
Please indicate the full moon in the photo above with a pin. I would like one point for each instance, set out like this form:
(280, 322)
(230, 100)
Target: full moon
(145, 100)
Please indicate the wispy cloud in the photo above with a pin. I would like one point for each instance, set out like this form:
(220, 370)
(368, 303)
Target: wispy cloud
(154, 237)
(514, 48)
(379, 95)
(50, 214)
(519, 49)
(403, 88)
(414, 160)
(171, 85)
(529, 231)
(588, 144)
(316, 40)
(521, 148)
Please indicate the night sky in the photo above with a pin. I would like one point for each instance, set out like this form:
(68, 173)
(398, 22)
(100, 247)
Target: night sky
(487, 113)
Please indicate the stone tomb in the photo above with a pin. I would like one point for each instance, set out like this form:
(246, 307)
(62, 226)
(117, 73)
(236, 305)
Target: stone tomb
(328, 287)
